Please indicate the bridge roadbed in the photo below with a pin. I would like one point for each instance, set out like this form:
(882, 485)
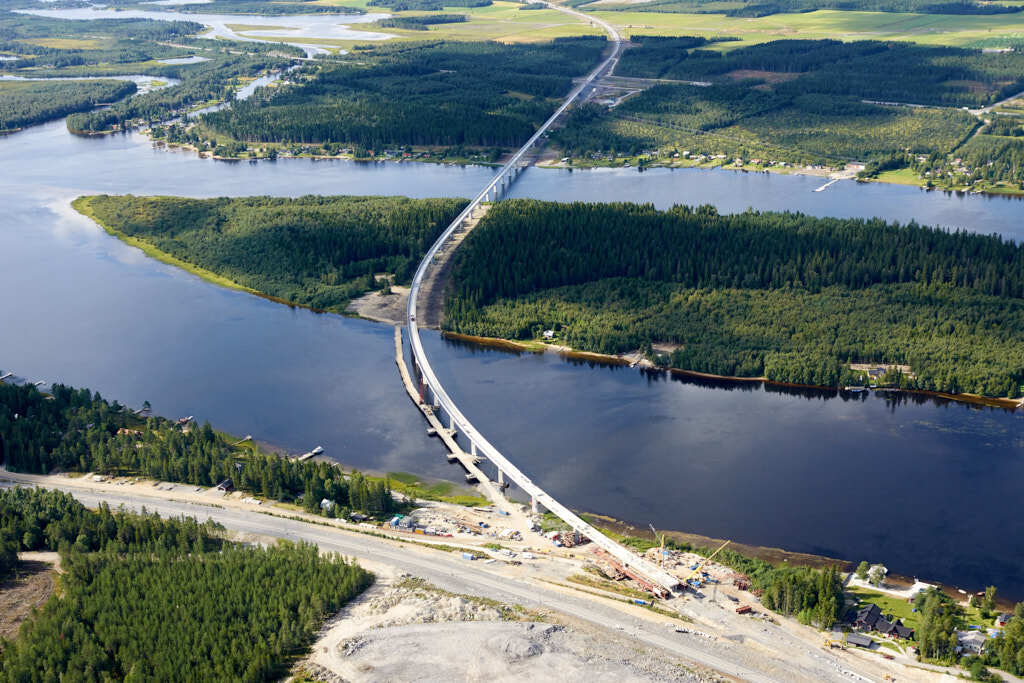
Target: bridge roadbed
(467, 460)
(430, 308)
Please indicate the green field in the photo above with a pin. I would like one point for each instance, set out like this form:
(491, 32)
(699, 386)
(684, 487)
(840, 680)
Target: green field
(931, 29)
(506, 22)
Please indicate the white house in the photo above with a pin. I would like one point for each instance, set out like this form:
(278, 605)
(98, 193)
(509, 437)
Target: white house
(971, 641)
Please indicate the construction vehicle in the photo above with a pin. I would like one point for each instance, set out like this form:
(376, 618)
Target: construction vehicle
(696, 583)
(833, 644)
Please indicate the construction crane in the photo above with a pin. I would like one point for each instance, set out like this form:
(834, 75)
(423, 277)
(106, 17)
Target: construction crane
(661, 550)
(703, 562)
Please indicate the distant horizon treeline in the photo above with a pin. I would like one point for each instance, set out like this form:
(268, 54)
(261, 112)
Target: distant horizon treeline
(786, 296)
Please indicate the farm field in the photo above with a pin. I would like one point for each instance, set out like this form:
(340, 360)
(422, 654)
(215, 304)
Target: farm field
(506, 22)
(929, 29)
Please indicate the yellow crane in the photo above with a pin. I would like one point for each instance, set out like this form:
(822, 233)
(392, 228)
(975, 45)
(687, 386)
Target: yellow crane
(704, 562)
(661, 551)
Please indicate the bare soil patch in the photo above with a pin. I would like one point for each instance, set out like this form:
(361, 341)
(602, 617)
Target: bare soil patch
(385, 308)
(33, 584)
(771, 77)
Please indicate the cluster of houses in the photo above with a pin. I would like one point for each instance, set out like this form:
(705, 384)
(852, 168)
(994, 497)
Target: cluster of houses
(870, 618)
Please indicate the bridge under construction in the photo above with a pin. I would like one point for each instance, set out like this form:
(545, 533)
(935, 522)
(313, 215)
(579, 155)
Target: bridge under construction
(435, 402)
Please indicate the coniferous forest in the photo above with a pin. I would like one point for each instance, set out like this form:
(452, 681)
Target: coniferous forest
(24, 103)
(148, 599)
(313, 251)
(402, 94)
(77, 430)
(785, 296)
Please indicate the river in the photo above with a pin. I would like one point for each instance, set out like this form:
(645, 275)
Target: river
(926, 487)
(296, 29)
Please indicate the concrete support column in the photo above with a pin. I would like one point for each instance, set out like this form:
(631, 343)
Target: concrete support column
(533, 504)
(472, 449)
(501, 478)
(451, 423)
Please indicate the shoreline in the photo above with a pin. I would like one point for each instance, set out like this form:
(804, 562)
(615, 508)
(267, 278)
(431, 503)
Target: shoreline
(626, 360)
(793, 170)
(81, 205)
(777, 556)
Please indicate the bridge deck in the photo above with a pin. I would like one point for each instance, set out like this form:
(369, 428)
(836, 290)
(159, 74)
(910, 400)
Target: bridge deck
(505, 176)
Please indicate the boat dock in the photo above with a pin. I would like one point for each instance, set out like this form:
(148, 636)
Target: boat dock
(827, 185)
(305, 456)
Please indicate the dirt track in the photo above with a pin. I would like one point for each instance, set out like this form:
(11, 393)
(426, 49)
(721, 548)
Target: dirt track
(431, 299)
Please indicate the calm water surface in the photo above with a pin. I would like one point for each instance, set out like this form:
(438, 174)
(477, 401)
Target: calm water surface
(908, 484)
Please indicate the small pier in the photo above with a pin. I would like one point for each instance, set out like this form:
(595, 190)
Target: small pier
(827, 185)
(306, 456)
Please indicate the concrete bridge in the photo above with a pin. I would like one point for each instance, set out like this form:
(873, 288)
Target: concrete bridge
(434, 393)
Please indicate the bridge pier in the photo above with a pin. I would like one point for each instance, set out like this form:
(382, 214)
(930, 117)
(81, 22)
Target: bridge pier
(533, 505)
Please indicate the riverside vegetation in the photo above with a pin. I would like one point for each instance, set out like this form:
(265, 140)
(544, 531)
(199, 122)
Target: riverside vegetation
(145, 598)
(808, 102)
(77, 430)
(24, 103)
(784, 296)
(313, 251)
(43, 47)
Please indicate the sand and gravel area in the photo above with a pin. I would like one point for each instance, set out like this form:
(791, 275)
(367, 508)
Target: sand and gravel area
(406, 629)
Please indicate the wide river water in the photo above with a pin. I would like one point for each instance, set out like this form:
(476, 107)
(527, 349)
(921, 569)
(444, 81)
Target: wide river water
(925, 486)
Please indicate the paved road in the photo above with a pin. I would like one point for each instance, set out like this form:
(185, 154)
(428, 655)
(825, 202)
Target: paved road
(450, 572)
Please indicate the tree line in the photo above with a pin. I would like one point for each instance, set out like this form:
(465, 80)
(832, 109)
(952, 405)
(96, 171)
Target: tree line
(314, 251)
(785, 296)
(25, 103)
(426, 5)
(421, 22)
(438, 94)
(144, 598)
(878, 70)
(77, 430)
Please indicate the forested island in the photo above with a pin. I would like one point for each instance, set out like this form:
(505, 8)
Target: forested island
(783, 296)
(318, 252)
(145, 598)
(886, 105)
